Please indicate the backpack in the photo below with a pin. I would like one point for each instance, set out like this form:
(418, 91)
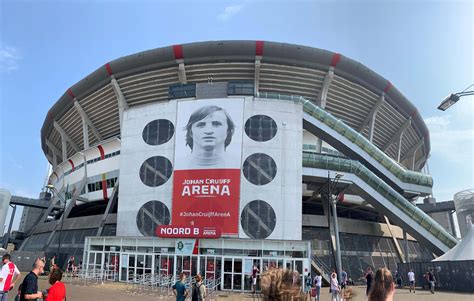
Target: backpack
(196, 296)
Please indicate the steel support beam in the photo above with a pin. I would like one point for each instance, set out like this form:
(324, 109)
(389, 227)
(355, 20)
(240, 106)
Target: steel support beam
(322, 98)
(86, 122)
(401, 255)
(370, 119)
(122, 102)
(398, 135)
(65, 138)
(112, 201)
(412, 151)
(55, 151)
(181, 71)
(323, 93)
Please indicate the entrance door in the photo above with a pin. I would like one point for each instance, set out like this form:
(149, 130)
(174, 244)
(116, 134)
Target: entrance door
(111, 266)
(186, 264)
(124, 267)
(210, 267)
(295, 265)
(233, 274)
(249, 263)
(165, 264)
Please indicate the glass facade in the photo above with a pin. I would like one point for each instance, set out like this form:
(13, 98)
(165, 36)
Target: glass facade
(240, 88)
(327, 162)
(339, 126)
(228, 261)
(181, 91)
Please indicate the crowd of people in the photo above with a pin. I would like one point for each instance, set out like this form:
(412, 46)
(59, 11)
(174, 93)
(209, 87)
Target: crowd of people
(275, 283)
(279, 284)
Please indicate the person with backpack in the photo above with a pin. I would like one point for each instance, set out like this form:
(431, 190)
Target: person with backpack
(308, 282)
(317, 283)
(199, 289)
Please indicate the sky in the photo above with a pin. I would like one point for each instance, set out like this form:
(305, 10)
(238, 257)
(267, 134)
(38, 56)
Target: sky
(425, 48)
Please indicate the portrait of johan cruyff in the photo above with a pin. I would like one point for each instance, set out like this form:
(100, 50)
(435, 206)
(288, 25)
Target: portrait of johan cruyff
(209, 132)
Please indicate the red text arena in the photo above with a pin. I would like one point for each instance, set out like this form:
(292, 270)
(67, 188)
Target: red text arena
(207, 198)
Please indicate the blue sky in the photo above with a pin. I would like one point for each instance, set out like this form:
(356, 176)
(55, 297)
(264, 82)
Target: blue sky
(425, 48)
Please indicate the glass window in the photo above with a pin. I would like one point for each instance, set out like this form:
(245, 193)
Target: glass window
(158, 132)
(260, 128)
(151, 215)
(155, 171)
(259, 169)
(240, 88)
(258, 219)
(182, 91)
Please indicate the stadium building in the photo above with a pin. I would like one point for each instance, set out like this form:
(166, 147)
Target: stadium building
(216, 156)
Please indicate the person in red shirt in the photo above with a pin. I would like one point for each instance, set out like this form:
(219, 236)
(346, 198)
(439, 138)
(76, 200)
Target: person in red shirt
(57, 291)
(9, 273)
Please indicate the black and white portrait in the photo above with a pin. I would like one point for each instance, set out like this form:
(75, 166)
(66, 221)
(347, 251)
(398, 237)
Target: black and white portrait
(209, 134)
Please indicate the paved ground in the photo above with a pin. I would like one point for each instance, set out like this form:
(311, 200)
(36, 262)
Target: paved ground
(118, 292)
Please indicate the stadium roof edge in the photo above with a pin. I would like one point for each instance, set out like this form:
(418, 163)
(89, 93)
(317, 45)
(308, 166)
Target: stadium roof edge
(237, 50)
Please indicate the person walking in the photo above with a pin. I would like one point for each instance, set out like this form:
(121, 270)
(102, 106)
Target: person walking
(52, 263)
(335, 289)
(198, 290)
(383, 287)
(57, 291)
(8, 276)
(255, 271)
(368, 278)
(29, 286)
(343, 279)
(432, 280)
(411, 280)
(179, 288)
(307, 286)
(318, 279)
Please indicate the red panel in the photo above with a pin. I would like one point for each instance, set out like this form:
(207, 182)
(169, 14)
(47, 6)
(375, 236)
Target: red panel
(259, 48)
(211, 203)
(178, 52)
(109, 69)
(104, 187)
(388, 87)
(102, 153)
(70, 93)
(336, 57)
(72, 164)
(413, 114)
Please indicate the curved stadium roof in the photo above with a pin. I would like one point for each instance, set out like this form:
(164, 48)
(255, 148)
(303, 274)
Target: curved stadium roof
(283, 68)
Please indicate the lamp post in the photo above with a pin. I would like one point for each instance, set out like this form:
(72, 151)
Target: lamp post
(333, 202)
(454, 97)
(55, 191)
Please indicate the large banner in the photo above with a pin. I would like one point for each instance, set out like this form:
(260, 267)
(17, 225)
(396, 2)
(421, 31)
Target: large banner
(208, 146)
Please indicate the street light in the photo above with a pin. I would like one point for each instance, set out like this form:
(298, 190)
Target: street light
(333, 202)
(454, 97)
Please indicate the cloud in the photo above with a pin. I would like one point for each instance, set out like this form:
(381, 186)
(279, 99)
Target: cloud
(451, 139)
(229, 12)
(9, 58)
